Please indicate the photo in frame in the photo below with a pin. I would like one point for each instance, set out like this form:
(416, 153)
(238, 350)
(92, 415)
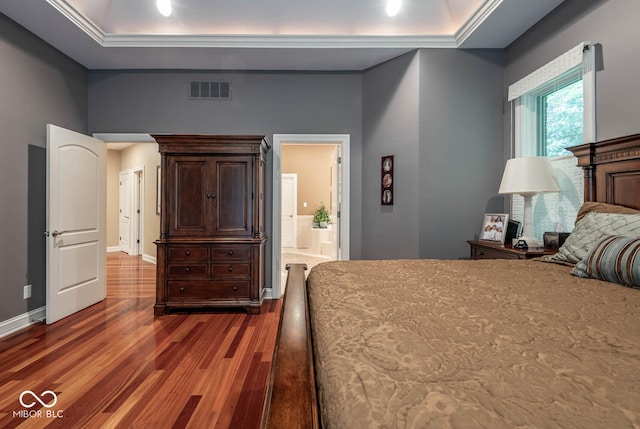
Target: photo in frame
(494, 227)
(386, 180)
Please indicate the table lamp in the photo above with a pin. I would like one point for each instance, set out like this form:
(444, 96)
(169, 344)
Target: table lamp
(528, 176)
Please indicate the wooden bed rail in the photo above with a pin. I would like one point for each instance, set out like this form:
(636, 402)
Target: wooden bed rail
(293, 401)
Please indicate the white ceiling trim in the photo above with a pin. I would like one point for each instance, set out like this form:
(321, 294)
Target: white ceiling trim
(475, 20)
(109, 40)
(276, 41)
(81, 21)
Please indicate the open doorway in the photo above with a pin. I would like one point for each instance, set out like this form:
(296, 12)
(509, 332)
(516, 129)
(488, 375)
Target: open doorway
(132, 162)
(310, 189)
(318, 164)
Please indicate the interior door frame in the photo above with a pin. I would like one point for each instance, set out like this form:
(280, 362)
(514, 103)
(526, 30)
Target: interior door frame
(128, 205)
(294, 178)
(344, 141)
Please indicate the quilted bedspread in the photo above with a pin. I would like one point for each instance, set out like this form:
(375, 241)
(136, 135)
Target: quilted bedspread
(473, 344)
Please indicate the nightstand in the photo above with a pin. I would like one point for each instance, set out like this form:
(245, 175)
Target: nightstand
(489, 250)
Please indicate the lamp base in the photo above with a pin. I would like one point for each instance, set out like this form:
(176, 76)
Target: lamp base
(531, 242)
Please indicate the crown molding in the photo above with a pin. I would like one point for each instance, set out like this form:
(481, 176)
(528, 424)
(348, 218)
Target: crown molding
(110, 40)
(81, 21)
(277, 41)
(475, 20)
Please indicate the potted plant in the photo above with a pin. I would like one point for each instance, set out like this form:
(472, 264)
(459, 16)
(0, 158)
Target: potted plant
(321, 218)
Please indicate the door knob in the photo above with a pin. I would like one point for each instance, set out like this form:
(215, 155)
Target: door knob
(55, 233)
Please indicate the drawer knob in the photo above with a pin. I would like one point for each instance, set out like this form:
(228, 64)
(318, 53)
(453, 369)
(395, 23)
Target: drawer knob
(235, 288)
(181, 290)
(230, 252)
(188, 269)
(188, 252)
(230, 269)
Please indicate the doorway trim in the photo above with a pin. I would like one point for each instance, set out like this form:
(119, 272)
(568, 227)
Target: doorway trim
(344, 141)
(294, 222)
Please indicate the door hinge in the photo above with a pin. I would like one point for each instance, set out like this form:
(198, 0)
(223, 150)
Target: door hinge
(138, 241)
(339, 160)
(138, 211)
(339, 214)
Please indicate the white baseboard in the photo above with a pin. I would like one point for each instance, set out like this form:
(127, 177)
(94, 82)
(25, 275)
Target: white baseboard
(149, 258)
(113, 249)
(268, 293)
(22, 321)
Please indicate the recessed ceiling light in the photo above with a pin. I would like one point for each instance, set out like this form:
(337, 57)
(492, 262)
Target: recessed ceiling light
(164, 7)
(393, 7)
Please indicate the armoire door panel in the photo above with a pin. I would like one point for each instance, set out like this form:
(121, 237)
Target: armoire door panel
(189, 199)
(233, 201)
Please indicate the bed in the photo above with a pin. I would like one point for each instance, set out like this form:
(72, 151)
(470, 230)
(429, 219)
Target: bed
(486, 343)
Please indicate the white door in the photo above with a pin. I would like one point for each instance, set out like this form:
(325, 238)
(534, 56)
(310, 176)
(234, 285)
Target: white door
(124, 216)
(76, 243)
(289, 209)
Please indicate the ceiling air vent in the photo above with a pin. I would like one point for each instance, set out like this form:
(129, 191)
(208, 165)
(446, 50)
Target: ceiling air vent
(210, 90)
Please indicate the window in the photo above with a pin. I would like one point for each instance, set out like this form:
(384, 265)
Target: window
(560, 116)
(554, 108)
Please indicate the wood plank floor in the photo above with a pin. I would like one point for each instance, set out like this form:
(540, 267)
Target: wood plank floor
(115, 365)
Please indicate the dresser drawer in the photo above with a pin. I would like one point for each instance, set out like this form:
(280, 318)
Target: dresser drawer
(231, 270)
(484, 253)
(187, 270)
(187, 253)
(231, 252)
(208, 289)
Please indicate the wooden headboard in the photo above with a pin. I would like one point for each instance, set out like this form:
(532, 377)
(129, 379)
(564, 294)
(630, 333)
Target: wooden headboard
(612, 175)
(611, 170)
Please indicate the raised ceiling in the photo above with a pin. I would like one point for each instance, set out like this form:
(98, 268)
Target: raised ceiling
(273, 35)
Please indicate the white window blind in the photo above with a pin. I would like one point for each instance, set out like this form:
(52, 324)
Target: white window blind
(548, 72)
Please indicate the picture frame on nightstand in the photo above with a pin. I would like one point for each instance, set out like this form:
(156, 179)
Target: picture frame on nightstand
(494, 227)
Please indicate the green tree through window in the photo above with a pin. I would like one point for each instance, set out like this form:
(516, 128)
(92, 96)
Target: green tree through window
(561, 119)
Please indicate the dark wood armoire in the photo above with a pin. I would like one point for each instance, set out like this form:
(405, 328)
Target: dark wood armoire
(212, 240)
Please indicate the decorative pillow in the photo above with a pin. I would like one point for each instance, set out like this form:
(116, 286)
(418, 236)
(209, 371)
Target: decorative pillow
(613, 259)
(594, 206)
(590, 229)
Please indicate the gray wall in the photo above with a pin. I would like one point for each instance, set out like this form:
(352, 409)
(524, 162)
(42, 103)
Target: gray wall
(461, 158)
(39, 85)
(390, 127)
(613, 24)
(439, 112)
(263, 103)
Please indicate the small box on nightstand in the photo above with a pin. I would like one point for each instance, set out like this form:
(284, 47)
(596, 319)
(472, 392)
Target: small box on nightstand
(554, 240)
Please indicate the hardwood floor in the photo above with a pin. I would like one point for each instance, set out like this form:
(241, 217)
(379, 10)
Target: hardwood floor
(115, 365)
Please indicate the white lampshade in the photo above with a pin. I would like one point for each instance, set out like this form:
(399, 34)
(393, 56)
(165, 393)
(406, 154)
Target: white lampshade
(528, 175)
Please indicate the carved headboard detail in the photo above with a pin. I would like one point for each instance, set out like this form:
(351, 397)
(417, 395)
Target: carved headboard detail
(611, 170)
